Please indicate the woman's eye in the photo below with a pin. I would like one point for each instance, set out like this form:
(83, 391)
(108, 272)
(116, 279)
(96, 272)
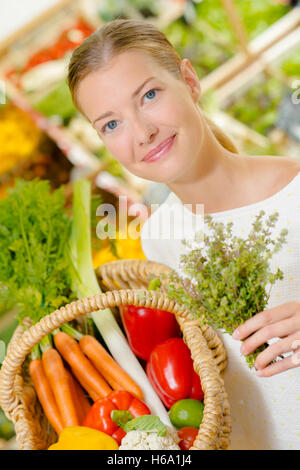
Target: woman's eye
(108, 125)
(151, 93)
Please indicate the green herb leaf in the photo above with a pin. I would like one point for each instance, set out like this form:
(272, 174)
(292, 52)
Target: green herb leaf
(149, 423)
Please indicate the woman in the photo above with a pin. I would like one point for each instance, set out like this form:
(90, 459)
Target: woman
(142, 99)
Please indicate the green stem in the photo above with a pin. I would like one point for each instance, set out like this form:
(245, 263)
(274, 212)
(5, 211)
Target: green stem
(71, 331)
(35, 352)
(54, 332)
(46, 343)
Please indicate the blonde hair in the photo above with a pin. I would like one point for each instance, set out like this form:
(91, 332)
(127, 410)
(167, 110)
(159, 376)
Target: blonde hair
(119, 36)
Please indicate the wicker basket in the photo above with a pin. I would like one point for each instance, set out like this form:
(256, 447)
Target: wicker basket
(125, 281)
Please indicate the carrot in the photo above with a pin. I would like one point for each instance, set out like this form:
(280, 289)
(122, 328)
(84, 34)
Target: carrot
(93, 395)
(84, 370)
(107, 366)
(85, 404)
(81, 402)
(113, 383)
(45, 394)
(58, 379)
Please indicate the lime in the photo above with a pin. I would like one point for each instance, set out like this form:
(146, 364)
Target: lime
(186, 412)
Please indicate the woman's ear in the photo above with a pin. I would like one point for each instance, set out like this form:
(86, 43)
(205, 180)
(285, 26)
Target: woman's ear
(190, 77)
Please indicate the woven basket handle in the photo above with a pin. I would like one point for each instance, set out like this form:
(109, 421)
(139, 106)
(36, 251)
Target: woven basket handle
(32, 336)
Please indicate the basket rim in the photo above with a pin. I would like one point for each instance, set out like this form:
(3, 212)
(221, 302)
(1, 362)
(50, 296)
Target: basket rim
(216, 405)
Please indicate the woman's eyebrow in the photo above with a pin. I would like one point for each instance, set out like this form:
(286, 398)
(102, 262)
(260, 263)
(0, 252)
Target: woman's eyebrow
(136, 92)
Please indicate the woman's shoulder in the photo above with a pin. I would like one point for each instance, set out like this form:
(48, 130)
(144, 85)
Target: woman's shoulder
(274, 173)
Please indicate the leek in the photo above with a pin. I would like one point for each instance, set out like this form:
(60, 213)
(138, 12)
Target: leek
(85, 284)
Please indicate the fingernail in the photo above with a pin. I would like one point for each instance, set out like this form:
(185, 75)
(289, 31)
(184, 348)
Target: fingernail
(236, 334)
(259, 373)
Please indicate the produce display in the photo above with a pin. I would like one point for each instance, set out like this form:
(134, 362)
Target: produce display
(259, 107)
(68, 39)
(204, 34)
(40, 78)
(27, 152)
(19, 137)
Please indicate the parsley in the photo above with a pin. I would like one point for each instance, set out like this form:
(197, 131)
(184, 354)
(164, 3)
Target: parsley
(223, 282)
(34, 267)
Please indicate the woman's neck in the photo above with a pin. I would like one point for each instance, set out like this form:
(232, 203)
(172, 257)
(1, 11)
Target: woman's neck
(218, 182)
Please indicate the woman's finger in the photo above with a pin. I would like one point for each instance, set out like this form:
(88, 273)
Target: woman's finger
(276, 349)
(274, 330)
(282, 365)
(264, 318)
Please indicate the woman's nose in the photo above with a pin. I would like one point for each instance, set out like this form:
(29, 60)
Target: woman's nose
(144, 132)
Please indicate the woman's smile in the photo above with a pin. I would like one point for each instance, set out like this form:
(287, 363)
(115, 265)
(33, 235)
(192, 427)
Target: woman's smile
(161, 150)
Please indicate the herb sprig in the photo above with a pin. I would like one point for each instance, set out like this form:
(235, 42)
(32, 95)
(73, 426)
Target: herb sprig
(223, 282)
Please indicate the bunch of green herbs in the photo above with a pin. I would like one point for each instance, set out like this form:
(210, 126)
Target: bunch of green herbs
(224, 281)
(34, 230)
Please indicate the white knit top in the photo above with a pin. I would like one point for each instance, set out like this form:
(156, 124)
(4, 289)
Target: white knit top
(265, 411)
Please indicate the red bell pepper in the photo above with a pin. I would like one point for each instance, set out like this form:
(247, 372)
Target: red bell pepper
(147, 327)
(99, 415)
(171, 373)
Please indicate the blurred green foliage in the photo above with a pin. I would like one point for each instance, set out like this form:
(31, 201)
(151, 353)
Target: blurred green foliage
(207, 37)
(6, 427)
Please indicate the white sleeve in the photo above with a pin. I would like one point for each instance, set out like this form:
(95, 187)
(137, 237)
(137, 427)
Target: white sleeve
(155, 246)
(149, 245)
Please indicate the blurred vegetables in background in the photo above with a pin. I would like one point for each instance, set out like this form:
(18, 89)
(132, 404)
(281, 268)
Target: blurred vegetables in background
(206, 37)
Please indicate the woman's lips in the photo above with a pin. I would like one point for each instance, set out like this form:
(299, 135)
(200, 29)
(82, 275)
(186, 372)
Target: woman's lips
(163, 148)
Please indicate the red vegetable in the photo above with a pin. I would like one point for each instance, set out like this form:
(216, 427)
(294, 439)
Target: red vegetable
(147, 327)
(187, 436)
(171, 373)
(99, 416)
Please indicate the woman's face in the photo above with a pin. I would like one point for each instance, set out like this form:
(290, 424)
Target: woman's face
(145, 106)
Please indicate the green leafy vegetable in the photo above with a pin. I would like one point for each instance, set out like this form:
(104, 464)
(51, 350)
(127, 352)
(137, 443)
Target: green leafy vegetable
(224, 281)
(34, 267)
(149, 423)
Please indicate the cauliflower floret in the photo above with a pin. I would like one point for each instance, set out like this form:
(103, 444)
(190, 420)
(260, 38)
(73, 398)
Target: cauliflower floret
(147, 440)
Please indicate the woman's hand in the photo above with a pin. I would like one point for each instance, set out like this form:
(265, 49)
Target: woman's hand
(278, 322)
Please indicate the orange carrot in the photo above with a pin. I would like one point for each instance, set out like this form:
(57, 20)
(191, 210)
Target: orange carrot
(45, 394)
(58, 379)
(84, 370)
(107, 366)
(113, 383)
(92, 394)
(81, 402)
(85, 404)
